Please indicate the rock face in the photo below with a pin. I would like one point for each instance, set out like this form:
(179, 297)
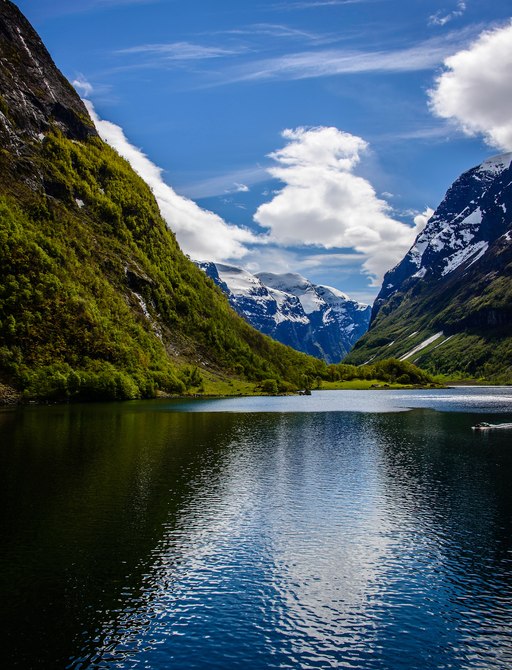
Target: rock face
(97, 301)
(34, 94)
(454, 283)
(318, 320)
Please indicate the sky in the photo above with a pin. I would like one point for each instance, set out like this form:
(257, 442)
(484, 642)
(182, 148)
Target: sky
(310, 136)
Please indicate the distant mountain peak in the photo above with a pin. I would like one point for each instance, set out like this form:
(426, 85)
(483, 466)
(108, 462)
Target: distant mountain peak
(319, 320)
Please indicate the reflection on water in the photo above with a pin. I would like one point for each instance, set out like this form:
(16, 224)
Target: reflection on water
(134, 536)
(493, 399)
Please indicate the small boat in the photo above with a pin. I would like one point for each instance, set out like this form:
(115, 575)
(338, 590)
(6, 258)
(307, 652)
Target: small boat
(491, 426)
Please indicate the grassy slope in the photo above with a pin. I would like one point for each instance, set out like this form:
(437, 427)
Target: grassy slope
(97, 300)
(472, 309)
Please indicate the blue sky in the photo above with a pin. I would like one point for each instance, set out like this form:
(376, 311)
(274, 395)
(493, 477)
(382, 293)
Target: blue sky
(316, 133)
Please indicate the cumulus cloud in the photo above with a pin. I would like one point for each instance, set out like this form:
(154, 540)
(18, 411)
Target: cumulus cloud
(201, 234)
(324, 204)
(421, 220)
(475, 89)
(238, 188)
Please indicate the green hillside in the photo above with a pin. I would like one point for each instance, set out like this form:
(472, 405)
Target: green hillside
(97, 301)
(96, 298)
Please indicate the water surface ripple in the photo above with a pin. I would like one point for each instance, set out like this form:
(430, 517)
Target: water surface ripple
(163, 535)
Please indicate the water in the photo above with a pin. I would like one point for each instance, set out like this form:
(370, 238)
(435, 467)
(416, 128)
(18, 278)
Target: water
(339, 530)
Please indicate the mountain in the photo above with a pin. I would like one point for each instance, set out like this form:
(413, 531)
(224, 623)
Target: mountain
(96, 298)
(318, 320)
(447, 306)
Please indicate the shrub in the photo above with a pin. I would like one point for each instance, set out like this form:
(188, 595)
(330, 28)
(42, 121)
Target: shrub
(269, 386)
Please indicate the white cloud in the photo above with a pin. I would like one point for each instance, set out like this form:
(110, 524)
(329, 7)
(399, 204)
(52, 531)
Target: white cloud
(83, 87)
(279, 31)
(475, 90)
(179, 51)
(201, 234)
(65, 7)
(421, 220)
(440, 19)
(238, 188)
(324, 204)
(314, 4)
(330, 62)
(224, 183)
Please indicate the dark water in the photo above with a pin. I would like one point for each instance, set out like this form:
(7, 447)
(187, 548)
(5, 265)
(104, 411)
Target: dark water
(343, 533)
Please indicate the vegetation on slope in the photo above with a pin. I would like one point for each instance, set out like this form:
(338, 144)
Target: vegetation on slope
(96, 298)
(98, 302)
(471, 311)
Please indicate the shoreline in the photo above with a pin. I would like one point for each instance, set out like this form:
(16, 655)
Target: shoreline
(10, 398)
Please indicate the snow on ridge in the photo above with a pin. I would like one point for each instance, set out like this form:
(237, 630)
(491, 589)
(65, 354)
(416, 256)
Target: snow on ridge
(297, 285)
(290, 282)
(240, 282)
(496, 164)
(456, 231)
(327, 291)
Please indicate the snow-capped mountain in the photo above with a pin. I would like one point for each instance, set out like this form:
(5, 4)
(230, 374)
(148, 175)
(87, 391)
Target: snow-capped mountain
(318, 320)
(448, 304)
(471, 216)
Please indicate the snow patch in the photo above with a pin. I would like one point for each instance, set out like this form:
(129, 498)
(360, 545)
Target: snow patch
(459, 257)
(310, 302)
(421, 346)
(328, 291)
(474, 218)
(496, 164)
(240, 282)
(480, 253)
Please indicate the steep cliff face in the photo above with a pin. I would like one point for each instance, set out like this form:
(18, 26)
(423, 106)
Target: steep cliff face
(35, 96)
(318, 320)
(96, 298)
(455, 283)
